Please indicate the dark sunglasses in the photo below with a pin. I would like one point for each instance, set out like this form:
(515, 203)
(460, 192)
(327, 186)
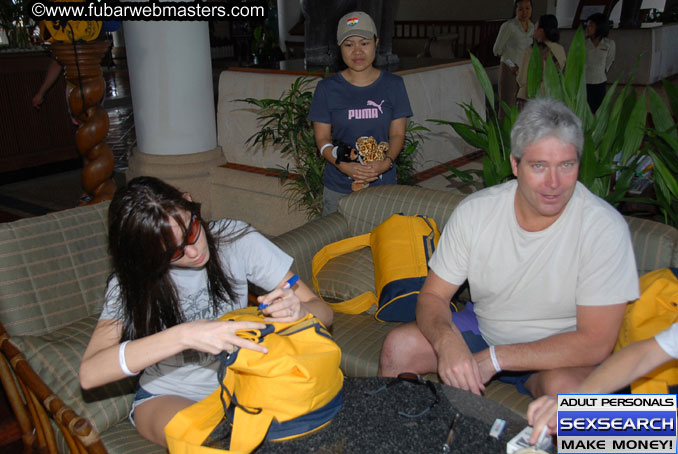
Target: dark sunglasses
(192, 235)
(417, 379)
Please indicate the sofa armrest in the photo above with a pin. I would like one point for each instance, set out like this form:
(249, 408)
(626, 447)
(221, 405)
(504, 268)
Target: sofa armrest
(303, 242)
(34, 404)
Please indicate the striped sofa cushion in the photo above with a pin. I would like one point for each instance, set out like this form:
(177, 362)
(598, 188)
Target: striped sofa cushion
(53, 269)
(303, 242)
(367, 208)
(56, 357)
(655, 245)
(123, 438)
(360, 337)
(347, 276)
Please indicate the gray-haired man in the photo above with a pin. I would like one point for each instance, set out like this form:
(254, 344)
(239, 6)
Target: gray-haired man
(550, 268)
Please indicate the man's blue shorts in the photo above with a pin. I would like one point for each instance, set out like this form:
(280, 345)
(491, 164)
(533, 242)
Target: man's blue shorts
(467, 323)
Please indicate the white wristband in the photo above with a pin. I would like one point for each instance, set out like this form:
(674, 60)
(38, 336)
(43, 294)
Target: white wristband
(325, 146)
(123, 363)
(493, 357)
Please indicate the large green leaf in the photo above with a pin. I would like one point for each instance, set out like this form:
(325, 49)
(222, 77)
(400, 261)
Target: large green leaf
(576, 64)
(534, 73)
(607, 148)
(672, 93)
(471, 136)
(668, 143)
(634, 130)
(602, 115)
(552, 84)
(622, 185)
(493, 149)
(666, 176)
(489, 173)
(588, 162)
(484, 80)
(661, 116)
(462, 175)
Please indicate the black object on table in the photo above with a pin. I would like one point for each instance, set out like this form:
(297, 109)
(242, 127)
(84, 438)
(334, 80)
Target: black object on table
(374, 423)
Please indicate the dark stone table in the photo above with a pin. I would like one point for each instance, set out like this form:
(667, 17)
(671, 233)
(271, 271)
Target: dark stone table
(371, 423)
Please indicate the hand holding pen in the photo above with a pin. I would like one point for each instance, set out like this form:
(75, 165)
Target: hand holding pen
(282, 304)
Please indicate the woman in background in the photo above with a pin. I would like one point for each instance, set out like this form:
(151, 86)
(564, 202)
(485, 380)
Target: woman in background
(515, 35)
(546, 37)
(358, 101)
(173, 276)
(600, 53)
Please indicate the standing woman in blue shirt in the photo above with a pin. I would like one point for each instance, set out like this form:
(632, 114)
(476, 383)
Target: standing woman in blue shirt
(359, 101)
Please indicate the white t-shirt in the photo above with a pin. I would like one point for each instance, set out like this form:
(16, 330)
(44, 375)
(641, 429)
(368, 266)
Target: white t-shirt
(526, 285)
(598, 60)
(512, 41)
(668, 340)
(250, 258)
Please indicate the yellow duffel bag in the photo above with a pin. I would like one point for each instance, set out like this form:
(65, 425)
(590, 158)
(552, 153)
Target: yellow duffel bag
(292, 390)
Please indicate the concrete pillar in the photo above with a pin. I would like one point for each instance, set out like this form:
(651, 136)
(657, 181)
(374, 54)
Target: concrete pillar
(170, 71)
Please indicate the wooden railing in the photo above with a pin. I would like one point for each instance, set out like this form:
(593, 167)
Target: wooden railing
(475, 36)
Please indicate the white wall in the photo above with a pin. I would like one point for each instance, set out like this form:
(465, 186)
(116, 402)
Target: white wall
(465, 10)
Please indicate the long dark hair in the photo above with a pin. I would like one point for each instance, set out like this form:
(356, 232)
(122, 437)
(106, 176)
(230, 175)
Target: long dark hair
(549, 23)
(141, 243)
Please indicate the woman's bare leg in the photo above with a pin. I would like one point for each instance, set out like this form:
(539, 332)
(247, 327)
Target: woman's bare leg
(152, 416)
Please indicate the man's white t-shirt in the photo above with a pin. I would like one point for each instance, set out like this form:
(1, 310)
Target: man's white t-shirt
(668, 340)
(527, 285)
(250, 258)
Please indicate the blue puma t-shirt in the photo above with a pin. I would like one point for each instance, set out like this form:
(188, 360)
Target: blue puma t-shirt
(359, 111)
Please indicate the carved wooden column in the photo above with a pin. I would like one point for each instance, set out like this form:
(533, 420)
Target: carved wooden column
(82, 63)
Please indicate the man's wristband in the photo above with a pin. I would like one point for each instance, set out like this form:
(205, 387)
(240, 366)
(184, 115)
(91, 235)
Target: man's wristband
(325, 146)
(493, 357)
(392, 162)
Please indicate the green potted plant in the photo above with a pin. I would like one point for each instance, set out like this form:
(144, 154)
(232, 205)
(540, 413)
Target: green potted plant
(614, 138)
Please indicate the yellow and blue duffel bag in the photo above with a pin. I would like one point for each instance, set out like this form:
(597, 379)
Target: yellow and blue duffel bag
(655, 311)
(401, 247)
(292, 390)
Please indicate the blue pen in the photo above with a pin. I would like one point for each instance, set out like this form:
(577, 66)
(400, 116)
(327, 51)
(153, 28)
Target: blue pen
(290, 282)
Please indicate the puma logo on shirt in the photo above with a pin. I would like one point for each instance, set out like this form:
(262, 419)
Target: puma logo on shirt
(369, 112)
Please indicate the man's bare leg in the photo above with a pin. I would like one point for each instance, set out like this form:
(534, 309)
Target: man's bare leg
(406, 349)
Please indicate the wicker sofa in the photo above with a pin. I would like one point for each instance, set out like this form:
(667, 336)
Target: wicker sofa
(53, 270)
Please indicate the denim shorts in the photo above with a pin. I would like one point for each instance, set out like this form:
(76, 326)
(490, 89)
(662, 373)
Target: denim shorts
(467, 323)
(140, 397)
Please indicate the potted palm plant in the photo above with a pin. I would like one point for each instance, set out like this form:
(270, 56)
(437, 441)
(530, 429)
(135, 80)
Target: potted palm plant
(615, 138)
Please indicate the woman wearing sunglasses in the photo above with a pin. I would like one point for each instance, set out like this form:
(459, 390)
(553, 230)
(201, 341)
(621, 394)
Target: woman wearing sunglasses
(174, 275)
